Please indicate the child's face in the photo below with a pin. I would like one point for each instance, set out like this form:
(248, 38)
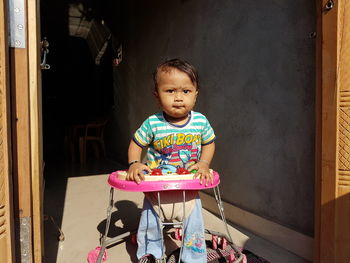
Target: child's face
(176, 93)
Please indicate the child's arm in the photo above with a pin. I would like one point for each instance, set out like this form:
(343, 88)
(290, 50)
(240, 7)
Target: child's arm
(135, 172)
(202, 166)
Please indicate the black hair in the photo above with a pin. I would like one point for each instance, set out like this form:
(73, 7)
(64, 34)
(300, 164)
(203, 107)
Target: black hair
(178, 64)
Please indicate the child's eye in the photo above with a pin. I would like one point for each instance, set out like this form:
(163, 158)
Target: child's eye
(187, 91)
(169, 91)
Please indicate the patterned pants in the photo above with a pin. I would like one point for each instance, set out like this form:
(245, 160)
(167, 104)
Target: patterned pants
(149, 235)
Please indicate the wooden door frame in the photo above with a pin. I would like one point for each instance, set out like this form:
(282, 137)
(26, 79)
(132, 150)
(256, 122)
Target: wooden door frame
(26, 135)
(332, 180)
(6, 203)
(36, 138)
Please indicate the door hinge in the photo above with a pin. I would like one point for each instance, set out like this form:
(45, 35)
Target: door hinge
(25, 239)
(17, 25)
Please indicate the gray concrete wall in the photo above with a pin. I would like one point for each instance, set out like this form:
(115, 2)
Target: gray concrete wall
(257, 75)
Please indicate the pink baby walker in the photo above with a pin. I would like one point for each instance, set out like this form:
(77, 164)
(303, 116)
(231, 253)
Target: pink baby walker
(220, 247)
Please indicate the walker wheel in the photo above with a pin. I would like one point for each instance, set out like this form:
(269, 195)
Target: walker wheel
(178, 234)
(232, 257)
(223, 243)
(133, 239)
(93, 255)
(214, 240)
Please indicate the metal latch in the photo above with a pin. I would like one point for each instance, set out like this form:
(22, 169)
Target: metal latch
(44, 51)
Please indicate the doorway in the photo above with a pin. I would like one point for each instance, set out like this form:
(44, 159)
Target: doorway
(53, 10)
(77, 91)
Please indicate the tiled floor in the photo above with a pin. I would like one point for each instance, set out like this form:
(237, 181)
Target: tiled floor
(77, 199)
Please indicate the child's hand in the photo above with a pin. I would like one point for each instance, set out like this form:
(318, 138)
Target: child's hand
(135, 172)
(203, 172)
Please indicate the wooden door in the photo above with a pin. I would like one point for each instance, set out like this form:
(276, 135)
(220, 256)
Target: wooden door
(6, 205)
(36, 137)
(332, 225)
(26, 137)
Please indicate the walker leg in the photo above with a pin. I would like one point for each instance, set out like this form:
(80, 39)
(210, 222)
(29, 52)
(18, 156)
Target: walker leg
(242, 257)
(161, 226)
(108, 221)
(183, 224)
(221, 211)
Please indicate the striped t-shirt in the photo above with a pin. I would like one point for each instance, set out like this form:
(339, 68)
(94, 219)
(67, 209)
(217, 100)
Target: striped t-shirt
(172, 144)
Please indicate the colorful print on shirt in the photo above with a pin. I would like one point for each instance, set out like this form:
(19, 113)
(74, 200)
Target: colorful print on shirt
(171, 144)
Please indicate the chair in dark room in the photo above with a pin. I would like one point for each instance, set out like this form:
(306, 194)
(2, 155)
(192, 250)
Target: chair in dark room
(93, 135)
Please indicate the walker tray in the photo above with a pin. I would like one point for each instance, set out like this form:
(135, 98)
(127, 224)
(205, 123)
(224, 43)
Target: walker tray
(164, 183)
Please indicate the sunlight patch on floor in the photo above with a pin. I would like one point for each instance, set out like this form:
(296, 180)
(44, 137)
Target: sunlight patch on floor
(84, 217)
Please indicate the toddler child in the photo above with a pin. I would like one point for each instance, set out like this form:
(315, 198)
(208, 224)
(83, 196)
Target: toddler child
(175, 137)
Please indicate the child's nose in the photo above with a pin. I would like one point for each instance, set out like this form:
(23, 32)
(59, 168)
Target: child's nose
(178, 96)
